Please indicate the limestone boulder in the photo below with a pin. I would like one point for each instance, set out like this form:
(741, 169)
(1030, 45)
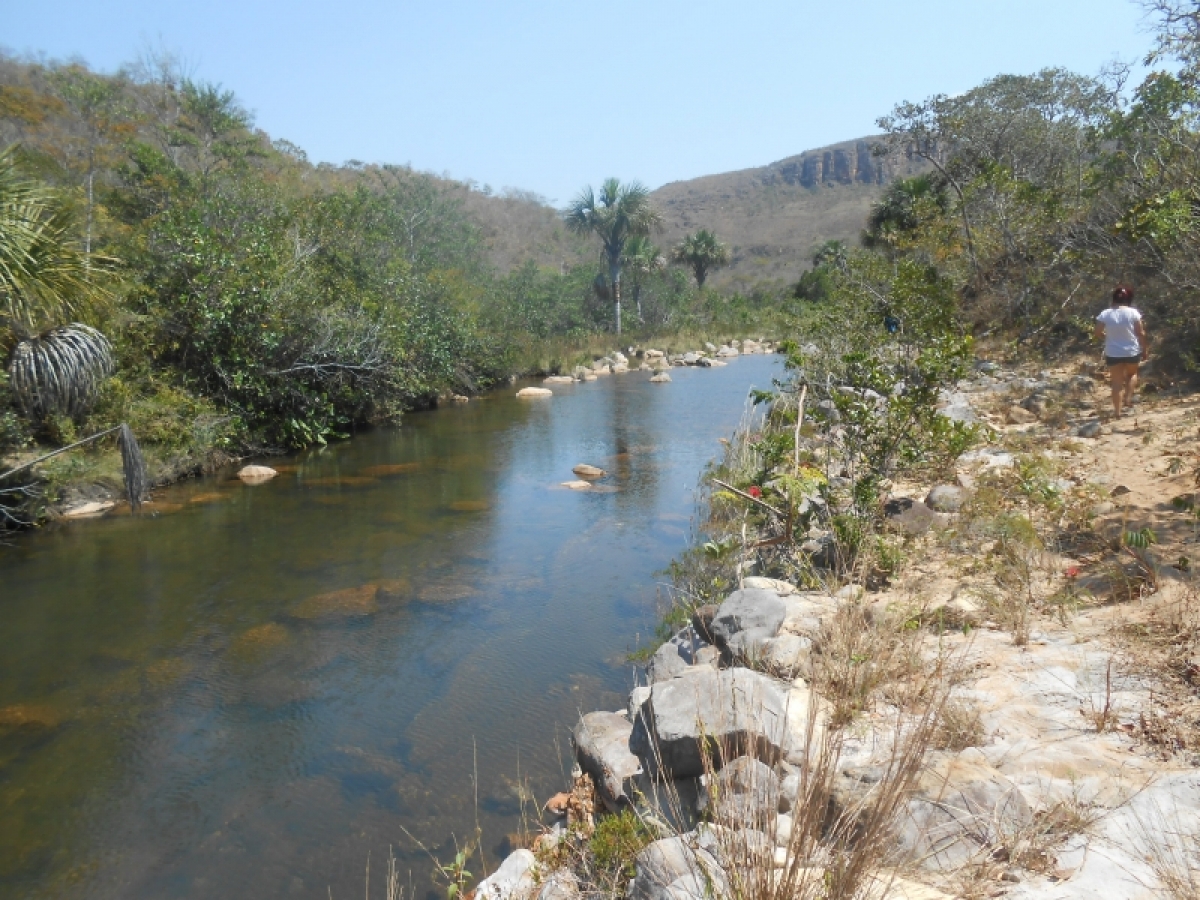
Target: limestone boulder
(514, 880)
(677, 868)
(602, 749)
(726, 352)
(962, 809)
(660, 378)
(558, 379)
(746, 620)
(735, 712)
(559, 885)
(534, 393)
(583, 470)
(676, 655)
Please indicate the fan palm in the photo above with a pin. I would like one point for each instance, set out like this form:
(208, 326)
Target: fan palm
(620, 212)
(701, 252)
(45, 278)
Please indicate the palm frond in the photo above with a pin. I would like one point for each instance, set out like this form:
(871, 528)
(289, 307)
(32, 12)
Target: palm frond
(60, 372)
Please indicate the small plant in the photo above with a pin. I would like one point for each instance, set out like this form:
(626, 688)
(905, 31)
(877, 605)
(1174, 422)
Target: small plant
(617, 840)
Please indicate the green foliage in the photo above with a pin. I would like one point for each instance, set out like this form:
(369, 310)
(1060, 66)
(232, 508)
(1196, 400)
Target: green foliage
(617, 840)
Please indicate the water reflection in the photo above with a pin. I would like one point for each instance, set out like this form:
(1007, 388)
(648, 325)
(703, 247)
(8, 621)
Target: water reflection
(247, 693)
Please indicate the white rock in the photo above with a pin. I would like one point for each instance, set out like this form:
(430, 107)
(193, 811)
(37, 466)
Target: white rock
(558, 379)
(660, 378)
(88, 510)
(512, 881)
(256, 474)
(579, 485)
(531, 393)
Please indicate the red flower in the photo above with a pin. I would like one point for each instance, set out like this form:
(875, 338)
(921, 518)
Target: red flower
(754, 491)
(1073, 572)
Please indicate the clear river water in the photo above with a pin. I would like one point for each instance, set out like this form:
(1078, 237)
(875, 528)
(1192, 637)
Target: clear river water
(248, 692)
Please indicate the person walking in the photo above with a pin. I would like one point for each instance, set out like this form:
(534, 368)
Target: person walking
(1125, 345)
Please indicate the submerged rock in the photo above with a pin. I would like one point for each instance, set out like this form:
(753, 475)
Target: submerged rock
(355, 601)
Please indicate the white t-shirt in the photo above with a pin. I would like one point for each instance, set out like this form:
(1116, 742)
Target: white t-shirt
(1119, 336)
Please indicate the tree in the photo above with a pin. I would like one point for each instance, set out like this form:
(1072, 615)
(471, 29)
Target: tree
(642, 259)
(45, 279)
(701, 252)
(101, 115)
(620, 212)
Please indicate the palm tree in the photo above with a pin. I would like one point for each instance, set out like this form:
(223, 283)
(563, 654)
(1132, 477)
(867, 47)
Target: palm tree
(620, 212)
(642, 258)
(45, 279)
(701, 252)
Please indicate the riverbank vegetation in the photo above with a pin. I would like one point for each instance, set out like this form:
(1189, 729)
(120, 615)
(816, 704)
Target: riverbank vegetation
(219, 293)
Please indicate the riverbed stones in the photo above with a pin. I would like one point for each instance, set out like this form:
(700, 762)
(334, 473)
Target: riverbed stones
(534, 393)
(602, 748)
(256, 474)
(583, 470)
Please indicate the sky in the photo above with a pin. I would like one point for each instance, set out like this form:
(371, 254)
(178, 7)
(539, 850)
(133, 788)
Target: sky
(552, 95)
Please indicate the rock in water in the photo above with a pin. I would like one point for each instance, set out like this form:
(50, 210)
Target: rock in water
(660, 378)
(577, 485)
(256, 474)
(530, 393)
(558, 379)
(583, 470)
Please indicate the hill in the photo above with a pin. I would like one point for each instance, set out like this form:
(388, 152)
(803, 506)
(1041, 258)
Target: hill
(773, 217)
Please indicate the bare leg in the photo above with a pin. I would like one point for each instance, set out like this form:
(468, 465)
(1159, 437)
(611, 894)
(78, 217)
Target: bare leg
(1117, 383)
(1131, 386)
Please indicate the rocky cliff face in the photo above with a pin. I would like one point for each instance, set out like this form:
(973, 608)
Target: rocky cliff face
(855, 163)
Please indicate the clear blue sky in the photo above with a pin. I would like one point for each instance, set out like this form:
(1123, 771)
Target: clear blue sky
(550, 95)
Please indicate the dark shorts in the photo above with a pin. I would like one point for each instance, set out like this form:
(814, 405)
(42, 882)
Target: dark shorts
(1122, 360)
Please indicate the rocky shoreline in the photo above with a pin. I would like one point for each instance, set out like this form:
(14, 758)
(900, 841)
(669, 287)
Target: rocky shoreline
(1029, 768)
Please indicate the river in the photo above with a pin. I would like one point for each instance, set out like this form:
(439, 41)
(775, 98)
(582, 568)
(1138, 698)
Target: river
(250, 691)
